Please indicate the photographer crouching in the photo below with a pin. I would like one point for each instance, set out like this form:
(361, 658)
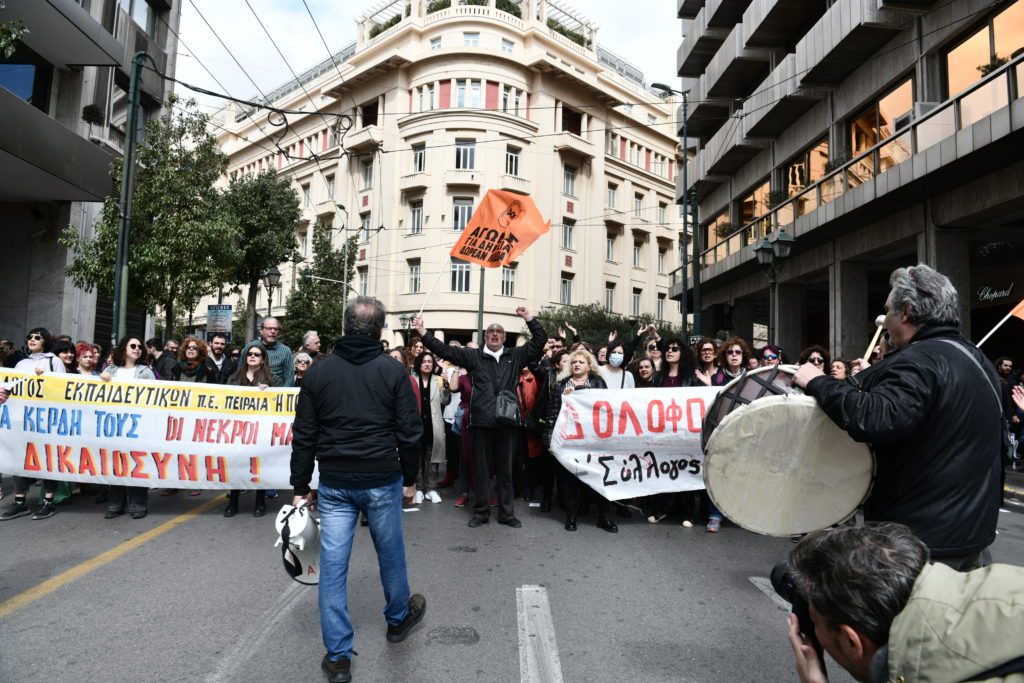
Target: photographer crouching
(885, 614)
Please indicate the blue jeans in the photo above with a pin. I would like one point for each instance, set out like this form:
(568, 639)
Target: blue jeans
(339, 516)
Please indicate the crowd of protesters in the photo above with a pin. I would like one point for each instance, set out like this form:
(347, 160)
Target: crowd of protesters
(506, 464)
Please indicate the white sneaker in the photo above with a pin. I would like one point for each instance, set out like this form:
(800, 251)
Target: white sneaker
(433, 497)
(419, 497)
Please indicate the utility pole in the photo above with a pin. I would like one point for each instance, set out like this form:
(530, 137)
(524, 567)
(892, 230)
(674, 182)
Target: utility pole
(480, 312)
(697, 262)
(686, 227)
(119, 329)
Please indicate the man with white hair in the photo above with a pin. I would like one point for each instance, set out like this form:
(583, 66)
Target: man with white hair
(494, 371)
(311, 345)
(932, 413)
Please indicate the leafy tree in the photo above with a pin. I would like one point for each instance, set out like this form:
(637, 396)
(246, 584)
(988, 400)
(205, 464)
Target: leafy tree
(262, 211)
(594, 323)
(178, 245)
(316, 304)
(11, 32)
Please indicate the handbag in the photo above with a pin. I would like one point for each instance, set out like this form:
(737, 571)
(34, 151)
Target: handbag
(506, 409)
(457, 420)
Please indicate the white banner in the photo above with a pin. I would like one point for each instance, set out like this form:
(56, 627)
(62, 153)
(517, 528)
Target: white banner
(146, 433)
(626, 443)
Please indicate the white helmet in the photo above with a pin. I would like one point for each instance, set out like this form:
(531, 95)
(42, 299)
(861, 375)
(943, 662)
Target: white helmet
(299, 539)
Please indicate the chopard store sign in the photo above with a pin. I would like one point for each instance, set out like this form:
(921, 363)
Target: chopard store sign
(989, 294)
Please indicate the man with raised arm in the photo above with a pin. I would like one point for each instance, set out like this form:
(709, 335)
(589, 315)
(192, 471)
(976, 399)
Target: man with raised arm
(492, 369)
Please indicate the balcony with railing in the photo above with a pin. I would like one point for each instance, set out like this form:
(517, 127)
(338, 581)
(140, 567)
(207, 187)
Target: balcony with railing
(731, 148)
(778, 23)
(970, 123)
(420, 180)
(572, 143)
(514, 183)
(725, 13)
(705, 115)
(779, 101)
(465, 177)
(737, 70)
(687, 9)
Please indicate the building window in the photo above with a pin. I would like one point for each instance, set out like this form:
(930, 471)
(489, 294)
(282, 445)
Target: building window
(367, 174)
(755, 204)
(306, 201)
(662, 213)
(651, 119)
(363, 278)
(143, 15)
(414, 276)
(638, 204)
(569, 181)
(998, 40)
(512, 160)
(518, 99)
(879, 121)
(419, 158)
(638, 249)
(430, 93)
(609, 248)
(506, 46)
(613, 190)
(506, 92)
(369, 112)
(467, 93)
(609, 297)
(330, 187)
(461, 212)
(508, 280)
(364, 227)
(661, 307)
(471, 39)
(465, 154)
(611, 138)
(661, 261)
(806, 169)
(565, 290)
(460, 275)
(568, 226)
(416, 217)
(435, 43)
(637, 294)
(572, 120)
(304, 244)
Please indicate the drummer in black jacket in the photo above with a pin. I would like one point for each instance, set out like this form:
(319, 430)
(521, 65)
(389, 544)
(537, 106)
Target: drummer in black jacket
(931, 412)
(492, 368)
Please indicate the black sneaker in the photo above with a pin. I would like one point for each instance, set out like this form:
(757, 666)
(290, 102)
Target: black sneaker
(46, 510)
(339, 671)
(417, 608)
(16, 509)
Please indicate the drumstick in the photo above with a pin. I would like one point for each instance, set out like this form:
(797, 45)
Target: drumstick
(880, 321)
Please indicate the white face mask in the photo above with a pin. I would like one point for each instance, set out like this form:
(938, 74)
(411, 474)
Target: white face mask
(615, 359)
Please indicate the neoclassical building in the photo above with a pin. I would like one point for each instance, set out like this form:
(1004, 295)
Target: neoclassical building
(448, 100)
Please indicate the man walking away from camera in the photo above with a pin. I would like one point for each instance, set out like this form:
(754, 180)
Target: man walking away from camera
(356, 416)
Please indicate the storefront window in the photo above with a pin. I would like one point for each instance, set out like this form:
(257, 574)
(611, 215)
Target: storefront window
(986, 49)
(878, 122)
(803, 171)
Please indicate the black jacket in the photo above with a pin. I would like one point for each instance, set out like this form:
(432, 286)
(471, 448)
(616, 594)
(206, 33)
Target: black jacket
(488, 375)
(227, 369)
(934, 424)
(356, 413)
(165, 364)
(555, 403)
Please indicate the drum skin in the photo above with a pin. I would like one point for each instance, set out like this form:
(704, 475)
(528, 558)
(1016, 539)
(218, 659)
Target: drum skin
(750, 386)
(779, 466)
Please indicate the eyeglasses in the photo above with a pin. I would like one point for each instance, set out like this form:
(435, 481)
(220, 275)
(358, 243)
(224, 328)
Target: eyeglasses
(770, 356)
(707, 350)
(254, 354)
(672, 348)
(652, 347)
(35, 337)
(734, 352)
(817, 360)
(191, 347)
(302, 362)
(134, 346)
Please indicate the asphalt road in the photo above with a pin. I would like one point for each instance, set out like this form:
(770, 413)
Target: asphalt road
(203, 598)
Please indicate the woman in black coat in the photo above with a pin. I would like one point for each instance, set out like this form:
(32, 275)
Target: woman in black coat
(581, 375)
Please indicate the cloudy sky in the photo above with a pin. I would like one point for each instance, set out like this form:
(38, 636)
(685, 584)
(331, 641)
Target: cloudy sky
(647, 38)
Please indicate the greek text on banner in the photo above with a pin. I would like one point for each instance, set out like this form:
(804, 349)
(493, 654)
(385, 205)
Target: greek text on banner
(626, 443)
(146, 433)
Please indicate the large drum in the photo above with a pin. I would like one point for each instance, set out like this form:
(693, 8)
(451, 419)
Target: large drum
(775, 463)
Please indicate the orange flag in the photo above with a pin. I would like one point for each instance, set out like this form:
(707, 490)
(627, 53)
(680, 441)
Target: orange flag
(502, 227)
(1018, 310)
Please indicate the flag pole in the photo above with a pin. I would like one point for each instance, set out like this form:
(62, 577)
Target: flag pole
(444, 266)
(998, 325)
(480, 312)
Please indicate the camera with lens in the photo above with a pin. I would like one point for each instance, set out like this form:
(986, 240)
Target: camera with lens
(785, 586)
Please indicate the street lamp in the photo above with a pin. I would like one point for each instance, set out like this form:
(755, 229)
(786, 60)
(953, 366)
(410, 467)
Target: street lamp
(686, 227)
(771, 254)
(271, 279)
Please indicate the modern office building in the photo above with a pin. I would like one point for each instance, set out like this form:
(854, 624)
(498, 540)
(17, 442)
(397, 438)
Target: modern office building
(877, 133)
(449, 100)
(63, 101)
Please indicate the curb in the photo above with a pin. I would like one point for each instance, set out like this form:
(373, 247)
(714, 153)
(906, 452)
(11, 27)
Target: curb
(1014, 493)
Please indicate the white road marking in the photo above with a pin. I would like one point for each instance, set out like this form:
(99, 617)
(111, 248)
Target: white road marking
(251, 642)
(764, 585)
(538, 651)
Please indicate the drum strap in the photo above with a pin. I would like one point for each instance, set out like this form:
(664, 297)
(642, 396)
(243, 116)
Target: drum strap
(988, 381)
